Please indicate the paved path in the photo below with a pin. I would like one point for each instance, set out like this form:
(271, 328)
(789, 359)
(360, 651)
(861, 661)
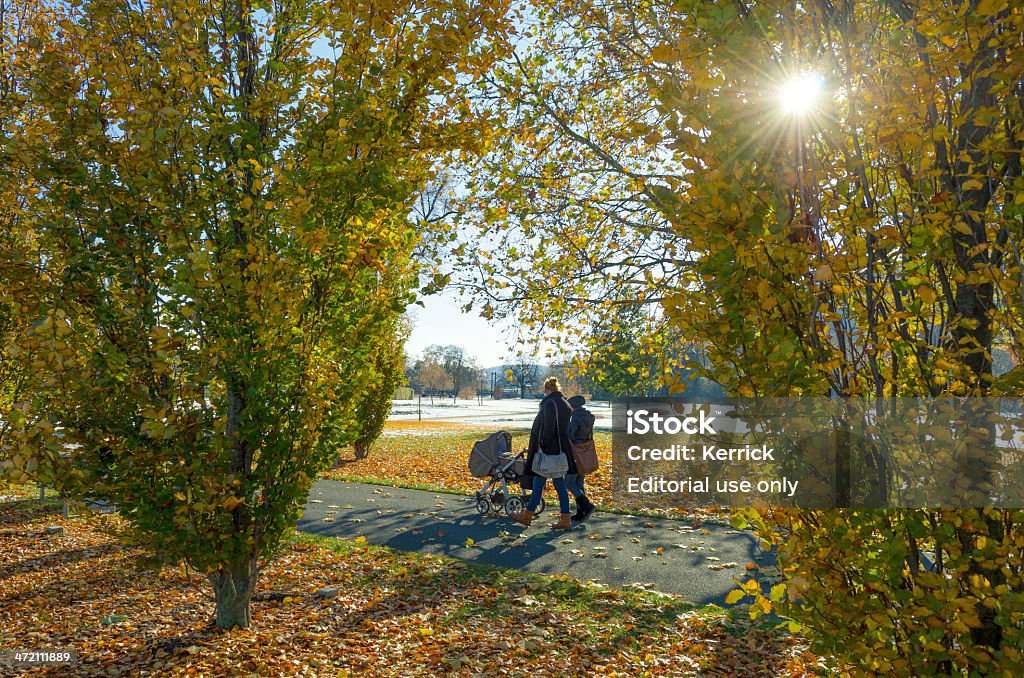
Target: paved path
(433, 522)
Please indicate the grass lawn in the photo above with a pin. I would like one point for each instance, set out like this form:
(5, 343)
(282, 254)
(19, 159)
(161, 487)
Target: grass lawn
(433, 455)
(398, 615)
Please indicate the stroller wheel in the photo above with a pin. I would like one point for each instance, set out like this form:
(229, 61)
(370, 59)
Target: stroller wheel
(540, 507)
(483, 506)
(514, 505)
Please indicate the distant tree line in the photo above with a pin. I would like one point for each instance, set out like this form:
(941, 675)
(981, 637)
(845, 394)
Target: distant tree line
(445, 371)
(618, 366)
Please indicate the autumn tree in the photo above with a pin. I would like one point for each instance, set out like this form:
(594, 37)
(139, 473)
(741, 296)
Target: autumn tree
(429, 375)
(828, 197)
(460, 367)
(573, 382)
(12, 374)
(385, 375)
(522, 373)
(12, 371)
(16, 29)
(448, 366)
(216, 197)
(560, 229)
(618, 359)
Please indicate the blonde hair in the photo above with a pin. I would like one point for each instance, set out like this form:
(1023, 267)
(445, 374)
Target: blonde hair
(551, 384)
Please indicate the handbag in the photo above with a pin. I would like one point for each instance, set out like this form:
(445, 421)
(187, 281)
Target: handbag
(585, 455)
(551, 465)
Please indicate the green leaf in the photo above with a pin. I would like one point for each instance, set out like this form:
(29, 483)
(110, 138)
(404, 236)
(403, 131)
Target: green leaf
(738, 521)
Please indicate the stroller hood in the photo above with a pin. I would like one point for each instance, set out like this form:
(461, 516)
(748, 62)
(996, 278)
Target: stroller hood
(493, 450)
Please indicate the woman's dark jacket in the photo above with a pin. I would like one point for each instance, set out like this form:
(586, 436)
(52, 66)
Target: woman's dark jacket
(546, 435)
(581, 426)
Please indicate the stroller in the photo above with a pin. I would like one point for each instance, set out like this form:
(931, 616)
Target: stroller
(492, 458)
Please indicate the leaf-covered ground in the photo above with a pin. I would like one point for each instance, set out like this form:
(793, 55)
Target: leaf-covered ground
(429, 454)
(398, 615)
(434, 455)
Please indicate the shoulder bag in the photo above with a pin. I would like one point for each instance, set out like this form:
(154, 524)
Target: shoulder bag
(585, 454)
(551, 465)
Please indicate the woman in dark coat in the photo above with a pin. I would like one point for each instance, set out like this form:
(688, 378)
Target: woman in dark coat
(550, 433)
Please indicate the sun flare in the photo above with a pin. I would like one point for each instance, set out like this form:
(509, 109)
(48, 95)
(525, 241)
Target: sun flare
(799, 95)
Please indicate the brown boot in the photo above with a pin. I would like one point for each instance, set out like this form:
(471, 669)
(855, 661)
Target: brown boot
(524, 518)
(564, 522)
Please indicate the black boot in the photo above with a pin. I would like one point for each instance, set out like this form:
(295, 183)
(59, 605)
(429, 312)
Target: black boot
(583, 509)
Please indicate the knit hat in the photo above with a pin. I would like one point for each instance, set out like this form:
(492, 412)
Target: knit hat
(577, 401)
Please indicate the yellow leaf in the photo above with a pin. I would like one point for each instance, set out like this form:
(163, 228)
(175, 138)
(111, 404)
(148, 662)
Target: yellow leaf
(664, 54)
(926, 294)
(426, 631)
(961, 227)
(470, 543)
(959, 627)
(231, 502)
(971, 185)
(246, 203)
(359, 540)
(990, 7)
(734, 597)
(179, 496)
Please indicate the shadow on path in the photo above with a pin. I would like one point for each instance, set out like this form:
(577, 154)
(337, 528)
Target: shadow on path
(699, 563)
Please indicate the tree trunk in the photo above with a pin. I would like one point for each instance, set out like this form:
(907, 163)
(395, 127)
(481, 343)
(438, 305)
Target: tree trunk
(233, 587)
(362, 448)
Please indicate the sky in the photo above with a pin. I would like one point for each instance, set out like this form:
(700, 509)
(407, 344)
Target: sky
(441, 321)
